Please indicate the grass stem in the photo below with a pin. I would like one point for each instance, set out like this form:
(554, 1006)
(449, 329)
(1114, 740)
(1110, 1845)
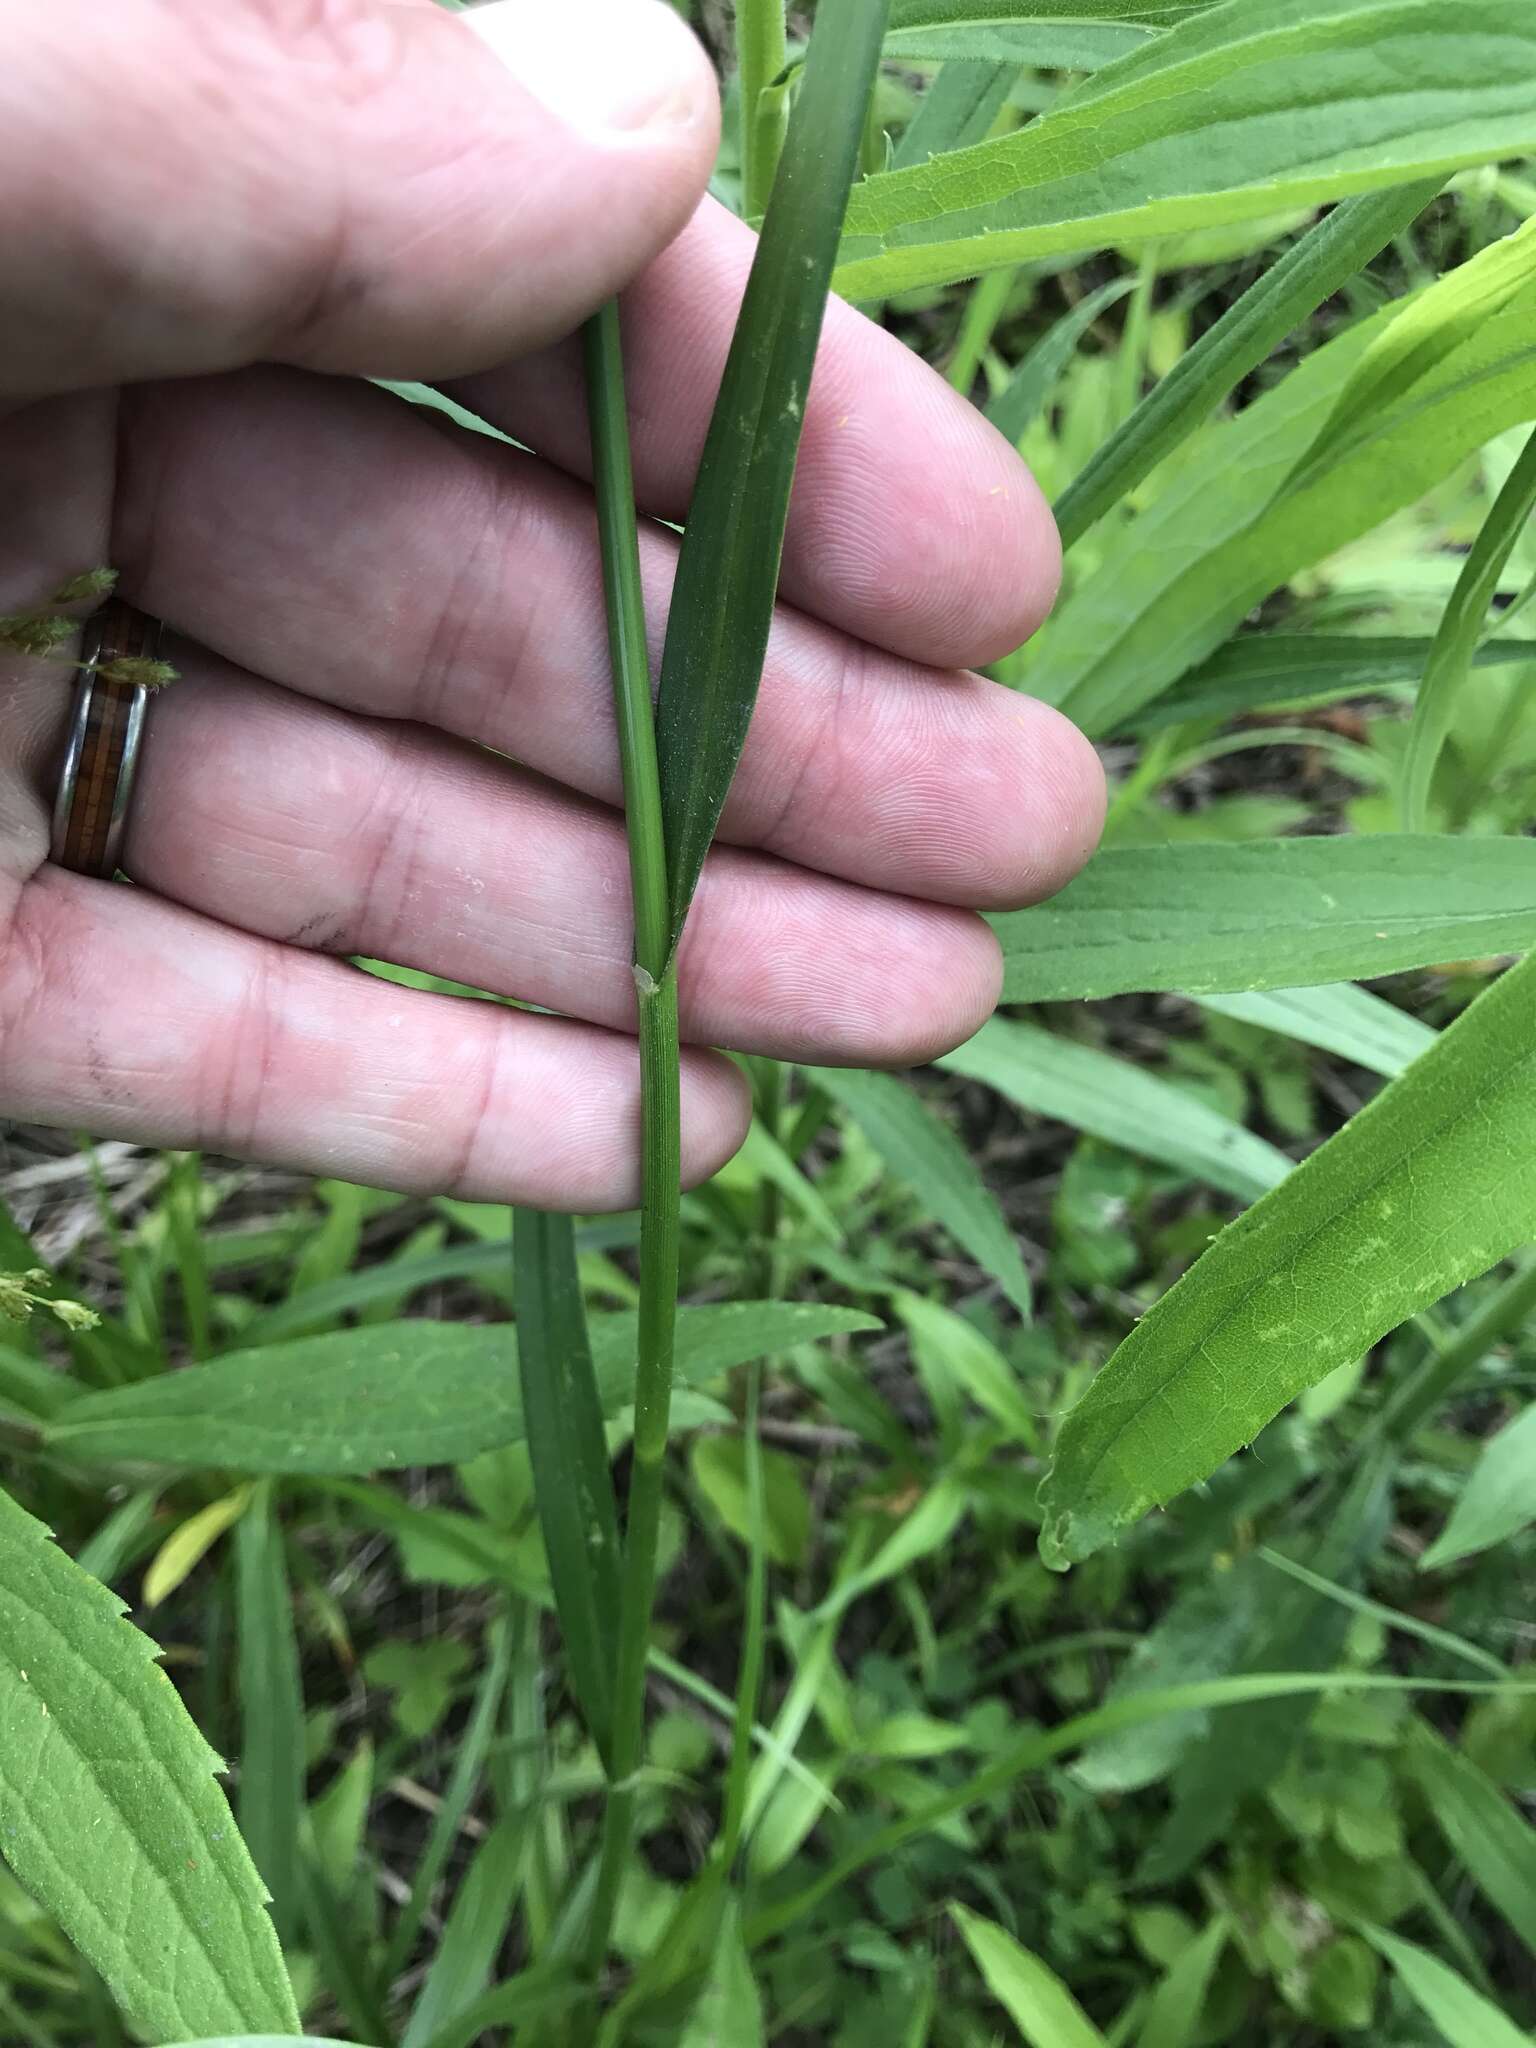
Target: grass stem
(760, 57)
(656, 990)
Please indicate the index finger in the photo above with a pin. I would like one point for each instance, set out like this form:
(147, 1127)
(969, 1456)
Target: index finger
(914, 524)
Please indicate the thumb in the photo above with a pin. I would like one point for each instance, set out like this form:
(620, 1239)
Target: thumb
(369, 186)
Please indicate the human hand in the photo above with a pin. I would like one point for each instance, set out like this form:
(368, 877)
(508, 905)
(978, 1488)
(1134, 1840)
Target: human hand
(393, 735)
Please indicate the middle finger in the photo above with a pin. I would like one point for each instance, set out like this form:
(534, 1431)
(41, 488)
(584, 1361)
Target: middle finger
(311, 825)
(332, 538)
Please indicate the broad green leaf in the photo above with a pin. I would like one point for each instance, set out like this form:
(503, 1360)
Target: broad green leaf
(1260, 671)
(1045, 43)
(965, 14)
(1029, 389)
(1173, 2019)
(1463, 2016)
(1333, 449)
(1342, 1019)
(1462, 622)
(1232, 115)
(1246, 335)
(1494, 1841)
(271, 1789)
(1498, 1500)
(572, 1479)
(264, 2041)
(1094, 1091)
(187, 1545)
(719, 1468)
(728, 566)
(397, 1394)
(1432, 1182)
(1035, 1999)
(1274, 914)
(30, 1389)
(924, 1152)
(96, 1749)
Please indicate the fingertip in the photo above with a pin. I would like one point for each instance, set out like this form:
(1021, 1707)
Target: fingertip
(920, 526)
(716, 1114)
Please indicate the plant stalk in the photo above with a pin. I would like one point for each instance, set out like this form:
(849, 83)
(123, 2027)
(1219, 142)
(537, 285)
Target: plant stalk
(656, 992)
(1436, 1378)
(760, 57)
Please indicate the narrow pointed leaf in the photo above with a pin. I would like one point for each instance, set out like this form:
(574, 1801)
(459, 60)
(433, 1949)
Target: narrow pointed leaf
(1430, 1184)
(1029, 389)
(1311, 100)
(398, 1394)
(1260, 671)
(271, 1791)
(1272, 914)
(1498, 1500)
(96, 1748)
(1114, 1100)
(728, 567)
(1047, 42)
(956, 110)
(1493, 1839)
(1450, 659)
(1363, 426)
(925, 1154)
(573, 1482)
(1463, 2016)
(1034, 1997)
(1341, 1019)
(1247, 334)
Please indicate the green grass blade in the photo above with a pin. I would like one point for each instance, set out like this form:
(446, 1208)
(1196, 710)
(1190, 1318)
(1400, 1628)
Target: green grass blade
(1250, 330)
(469, 1761)
(1503, 1313)
(573, 1482)
(271, 1793)
(1494, 1840)
(1433, 1182)
(1265, 671)
(1115, 1100)
(1464, 2017)
(727, 574)
(334, 1937)
(1270, 914)
(1028, 390)
(929, 1158)
(1173, 2018)
(1339, 1018)
(958, 108)
(1462, 622)
(474, 1932)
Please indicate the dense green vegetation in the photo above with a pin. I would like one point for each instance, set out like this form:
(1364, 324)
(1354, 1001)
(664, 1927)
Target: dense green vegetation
(1095, 1518)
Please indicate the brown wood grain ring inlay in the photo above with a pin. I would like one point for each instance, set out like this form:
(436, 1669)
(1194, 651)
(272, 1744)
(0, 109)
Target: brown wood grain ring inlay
(103, 744)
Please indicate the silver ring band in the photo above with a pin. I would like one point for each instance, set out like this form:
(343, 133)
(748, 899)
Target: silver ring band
(106, 731)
